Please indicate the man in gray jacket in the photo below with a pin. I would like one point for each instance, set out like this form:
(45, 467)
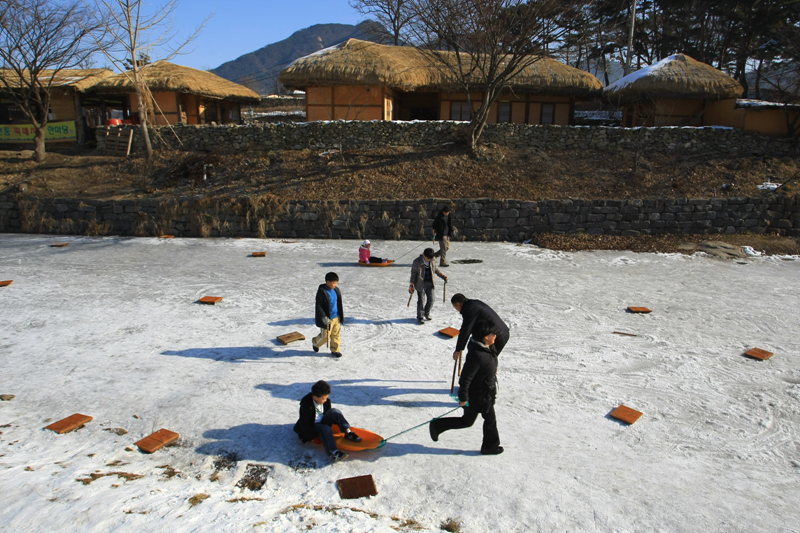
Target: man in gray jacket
(423, 270)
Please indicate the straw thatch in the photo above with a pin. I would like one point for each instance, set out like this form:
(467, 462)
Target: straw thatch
(356, 62)
(677, 76)
(163, 76)
(78, 79)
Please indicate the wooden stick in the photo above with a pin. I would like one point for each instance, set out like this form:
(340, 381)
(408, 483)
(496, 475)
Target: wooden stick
(409, 299)
(453, 383)
(628, 334)
(459, 365)
(444, 294)
(328, 337)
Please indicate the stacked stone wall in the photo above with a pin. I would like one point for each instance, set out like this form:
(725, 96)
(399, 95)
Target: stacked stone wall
(377, 134)
(474, 219)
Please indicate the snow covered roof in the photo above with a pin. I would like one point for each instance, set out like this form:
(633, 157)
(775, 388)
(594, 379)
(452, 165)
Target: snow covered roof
(763, 104)
(676, 76)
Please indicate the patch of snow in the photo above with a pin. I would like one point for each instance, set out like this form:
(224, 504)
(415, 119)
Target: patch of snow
(634, 76)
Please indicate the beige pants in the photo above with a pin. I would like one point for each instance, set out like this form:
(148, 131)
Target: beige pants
(335, 332)
(444, 245)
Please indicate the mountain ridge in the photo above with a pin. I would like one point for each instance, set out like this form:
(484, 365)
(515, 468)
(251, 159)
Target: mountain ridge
(259, 69)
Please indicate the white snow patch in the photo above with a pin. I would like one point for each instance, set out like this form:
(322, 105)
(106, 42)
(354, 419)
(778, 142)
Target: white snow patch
(109, 327)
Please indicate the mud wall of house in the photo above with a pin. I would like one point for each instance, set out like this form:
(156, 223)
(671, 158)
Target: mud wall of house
(474, 219)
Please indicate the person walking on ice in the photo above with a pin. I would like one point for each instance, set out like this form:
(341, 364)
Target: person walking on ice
(442, 231)
(477, 390)
(316, 418)
(423, 270)
(329, 315)
(472, 312)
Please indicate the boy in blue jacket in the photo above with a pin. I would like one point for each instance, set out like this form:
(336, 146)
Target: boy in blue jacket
(329, 314)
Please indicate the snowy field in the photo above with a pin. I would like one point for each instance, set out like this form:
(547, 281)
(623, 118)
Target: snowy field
(109, 327)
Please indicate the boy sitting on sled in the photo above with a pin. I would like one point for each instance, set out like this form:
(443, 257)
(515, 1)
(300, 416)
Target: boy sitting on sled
(317, 417)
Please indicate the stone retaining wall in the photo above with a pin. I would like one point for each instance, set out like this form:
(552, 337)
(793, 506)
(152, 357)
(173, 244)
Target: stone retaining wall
(376, 134)
(475, 220)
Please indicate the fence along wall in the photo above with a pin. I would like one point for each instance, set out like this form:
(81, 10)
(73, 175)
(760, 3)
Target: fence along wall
(376, 134)
(475, 220)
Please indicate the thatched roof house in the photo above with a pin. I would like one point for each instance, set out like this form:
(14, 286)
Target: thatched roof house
(66, 122)
(163, 76)
(412, 80)
(182, 94)
(675, 77)
(680, 91)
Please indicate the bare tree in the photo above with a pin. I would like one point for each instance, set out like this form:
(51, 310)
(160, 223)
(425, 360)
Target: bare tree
(38, 40)
(134, 37)
(487, 43)
(394, 15)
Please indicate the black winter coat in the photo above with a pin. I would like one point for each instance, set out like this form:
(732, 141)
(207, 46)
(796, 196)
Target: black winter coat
(305, 424)
(472, 312)
(323, 306)
(478, 381)
(442, 225)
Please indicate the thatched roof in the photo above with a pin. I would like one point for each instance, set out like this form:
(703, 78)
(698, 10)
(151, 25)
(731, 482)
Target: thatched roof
(163, 76)
(677, 76)
(78, 79)
(356, 62)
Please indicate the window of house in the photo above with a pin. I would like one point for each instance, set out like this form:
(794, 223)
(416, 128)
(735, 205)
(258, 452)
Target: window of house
(460, 111)
(504, 112)
(548, 114)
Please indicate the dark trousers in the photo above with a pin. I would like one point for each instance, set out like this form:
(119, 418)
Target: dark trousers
(324, 431)
(425, 304)
(491, 438)
(376, 260)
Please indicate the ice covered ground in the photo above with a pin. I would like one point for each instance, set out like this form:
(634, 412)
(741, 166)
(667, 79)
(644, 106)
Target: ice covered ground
(109, 327)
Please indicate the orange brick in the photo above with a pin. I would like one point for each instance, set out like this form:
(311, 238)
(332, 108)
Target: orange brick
(157, 440)
(6, 283)
(70, 423)
(210, 300)
(449, 332)
(758, 353)
(626, 414)
(638, 310)
(259, 254)
(166, 236)
(59, 245)
(357, 487)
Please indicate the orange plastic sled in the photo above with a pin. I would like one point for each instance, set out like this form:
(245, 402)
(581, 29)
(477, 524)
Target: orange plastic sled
(386, 264)
(369, 440)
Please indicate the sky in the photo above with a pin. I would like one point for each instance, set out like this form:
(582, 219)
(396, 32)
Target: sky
(237, 27)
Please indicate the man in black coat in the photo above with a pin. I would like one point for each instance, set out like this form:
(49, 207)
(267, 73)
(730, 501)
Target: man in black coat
(477, 391)
(472, 312)
(442, 231)
(316, 418)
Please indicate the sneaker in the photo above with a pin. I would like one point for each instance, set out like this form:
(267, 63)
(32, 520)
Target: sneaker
(420, 320)
(352, 436)
(337, 354)
(434, 433)
(496, 451)
(444, 265)
(316, 348)
(428, 317)
(338, 456)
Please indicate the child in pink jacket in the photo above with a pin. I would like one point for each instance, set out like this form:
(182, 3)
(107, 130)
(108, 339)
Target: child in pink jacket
(365, 254)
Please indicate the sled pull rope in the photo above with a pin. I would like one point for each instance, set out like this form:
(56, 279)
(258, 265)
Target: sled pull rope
(418, 426)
